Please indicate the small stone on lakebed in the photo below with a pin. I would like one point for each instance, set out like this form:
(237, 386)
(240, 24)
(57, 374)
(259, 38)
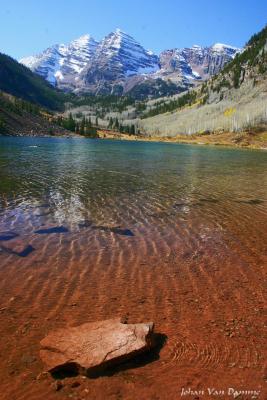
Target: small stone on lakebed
(93, 346)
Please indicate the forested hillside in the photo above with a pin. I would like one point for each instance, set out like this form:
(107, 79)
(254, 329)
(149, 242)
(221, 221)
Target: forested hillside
(18, 80)
(233, 100)
(20, 117)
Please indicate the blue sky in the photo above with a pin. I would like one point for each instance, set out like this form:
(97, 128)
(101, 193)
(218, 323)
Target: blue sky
(29, 26)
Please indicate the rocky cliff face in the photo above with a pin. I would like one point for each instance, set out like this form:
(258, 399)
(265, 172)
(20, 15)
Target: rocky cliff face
(45, 64)
(195, 63)
(117, 58)
(118, 61)
(59, 64)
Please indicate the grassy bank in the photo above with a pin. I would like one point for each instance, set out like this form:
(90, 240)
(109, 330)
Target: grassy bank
(251, 139)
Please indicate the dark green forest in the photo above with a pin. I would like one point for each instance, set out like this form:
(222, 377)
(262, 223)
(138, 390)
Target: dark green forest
(18, 80)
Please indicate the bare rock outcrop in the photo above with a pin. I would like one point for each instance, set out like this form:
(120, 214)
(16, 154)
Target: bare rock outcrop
(93, 346)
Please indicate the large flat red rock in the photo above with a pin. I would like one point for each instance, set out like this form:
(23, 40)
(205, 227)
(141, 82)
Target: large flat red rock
(94, 345)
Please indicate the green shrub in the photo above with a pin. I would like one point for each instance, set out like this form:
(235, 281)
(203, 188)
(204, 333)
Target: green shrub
(2, 125)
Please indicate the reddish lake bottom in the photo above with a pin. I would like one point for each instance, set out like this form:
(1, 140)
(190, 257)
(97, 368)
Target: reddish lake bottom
(207, 297)
(173, 234)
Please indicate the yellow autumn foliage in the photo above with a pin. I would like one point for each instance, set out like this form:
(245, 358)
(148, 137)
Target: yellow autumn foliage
(229, 112)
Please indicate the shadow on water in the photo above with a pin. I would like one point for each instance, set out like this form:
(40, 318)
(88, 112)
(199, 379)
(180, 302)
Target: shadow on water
(43, 214)
(116, 229)
(23, 253)
(5, 236)
(209, 200)
(200, 202)
(251, 201)
(140, 360)
(69, 371)
(180, 205)
(85, 224)
(55, 229)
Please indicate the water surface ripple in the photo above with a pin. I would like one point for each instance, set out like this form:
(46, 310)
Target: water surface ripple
(92, 229)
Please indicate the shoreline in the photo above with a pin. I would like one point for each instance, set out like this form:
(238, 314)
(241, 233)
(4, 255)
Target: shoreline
(240, 140)
(245, 140)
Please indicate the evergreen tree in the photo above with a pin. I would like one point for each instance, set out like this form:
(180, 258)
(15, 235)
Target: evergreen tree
(2, 124)
(71, 125)
(82, 126)
(110, 123)
(116, 124)
(132, 130)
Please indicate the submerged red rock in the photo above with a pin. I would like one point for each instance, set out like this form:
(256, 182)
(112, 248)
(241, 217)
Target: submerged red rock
(95, 345)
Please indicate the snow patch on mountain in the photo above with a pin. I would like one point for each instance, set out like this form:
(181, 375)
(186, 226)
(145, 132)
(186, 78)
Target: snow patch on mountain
(60, 60)
(223, 47)
(195, 63)
(87, 65)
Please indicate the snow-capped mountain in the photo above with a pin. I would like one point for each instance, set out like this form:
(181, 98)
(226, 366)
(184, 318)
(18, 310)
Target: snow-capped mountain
(121, 50)
(46, 64)
(78, 54)
(59, 63)
(117, 58)
(207, 61)
(195, 63)
(119, 62)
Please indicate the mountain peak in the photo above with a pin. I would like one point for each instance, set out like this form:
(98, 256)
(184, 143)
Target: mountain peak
(85, 64)
(83, 41)
(222, 47)
(122, 54)
(119, 31)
